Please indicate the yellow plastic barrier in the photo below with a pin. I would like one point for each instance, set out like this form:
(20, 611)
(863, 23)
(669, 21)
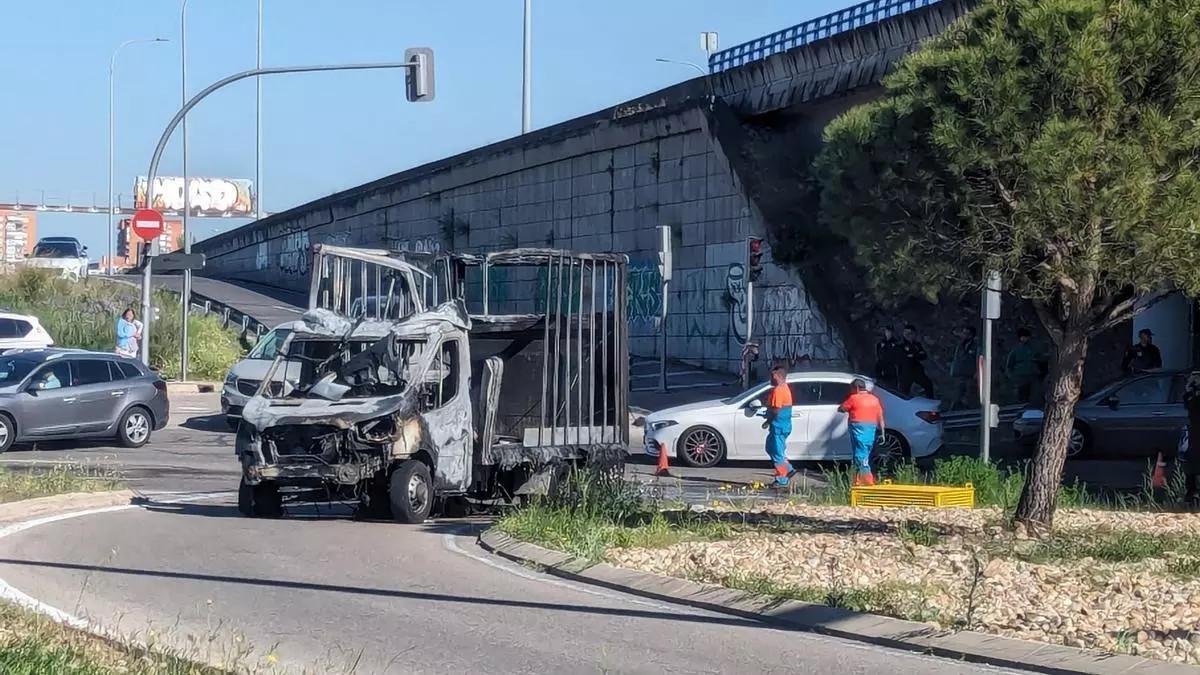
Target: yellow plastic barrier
(890, 495)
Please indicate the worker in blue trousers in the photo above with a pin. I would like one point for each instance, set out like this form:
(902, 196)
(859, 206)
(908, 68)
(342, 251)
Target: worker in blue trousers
(779, 424)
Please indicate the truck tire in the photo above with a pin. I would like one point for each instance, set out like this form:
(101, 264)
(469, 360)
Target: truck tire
(410, 491)
(268, 503)
(245, 498)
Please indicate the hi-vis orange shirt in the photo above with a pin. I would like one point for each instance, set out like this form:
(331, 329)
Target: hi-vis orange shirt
(864, 407)
(781, 397)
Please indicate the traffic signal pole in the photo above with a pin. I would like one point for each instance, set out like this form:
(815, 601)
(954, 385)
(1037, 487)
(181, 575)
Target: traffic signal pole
(664, 272)
(419, 85)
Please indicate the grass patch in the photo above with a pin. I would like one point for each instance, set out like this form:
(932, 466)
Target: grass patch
(1187, 567)
(83, 315)
(1112, 546)
(33, 645)
(905, 601)
(994, 485)
(918, 533)
(18, 484)
(593, 512)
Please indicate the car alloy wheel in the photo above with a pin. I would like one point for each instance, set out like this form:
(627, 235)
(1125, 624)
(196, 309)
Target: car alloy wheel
(1076, 442)
(137, 427)
(889, 449)
(701, 447)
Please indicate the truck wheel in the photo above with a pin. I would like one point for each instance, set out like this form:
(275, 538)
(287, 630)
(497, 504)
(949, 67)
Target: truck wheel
(410, 492)
(268, 503)
(245, 498)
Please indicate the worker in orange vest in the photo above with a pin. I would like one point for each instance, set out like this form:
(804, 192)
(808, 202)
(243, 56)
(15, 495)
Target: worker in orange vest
(866, 425)
(779, 424)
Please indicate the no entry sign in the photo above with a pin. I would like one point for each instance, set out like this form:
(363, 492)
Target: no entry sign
(147, 224)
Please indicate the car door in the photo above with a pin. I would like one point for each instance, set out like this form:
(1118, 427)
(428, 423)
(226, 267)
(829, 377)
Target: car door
(446, 405)
(827, 428)
(97, 397)
(46, 404)
(1130, 420)
(749, 436)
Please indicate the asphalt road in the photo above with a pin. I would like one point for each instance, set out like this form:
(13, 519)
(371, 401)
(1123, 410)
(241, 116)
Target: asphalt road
(321, 592)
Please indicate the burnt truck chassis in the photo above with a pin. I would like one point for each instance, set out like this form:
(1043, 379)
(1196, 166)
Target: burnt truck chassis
(417, 408)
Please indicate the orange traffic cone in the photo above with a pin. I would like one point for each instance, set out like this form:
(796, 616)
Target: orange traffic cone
(1159, 478)
(663, 462)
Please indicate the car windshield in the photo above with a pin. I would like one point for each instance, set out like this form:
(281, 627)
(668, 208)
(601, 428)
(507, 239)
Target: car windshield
(740, 396)
(13, 369)
(55, 249)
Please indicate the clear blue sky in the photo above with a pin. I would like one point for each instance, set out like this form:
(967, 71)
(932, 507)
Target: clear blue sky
(328, 131)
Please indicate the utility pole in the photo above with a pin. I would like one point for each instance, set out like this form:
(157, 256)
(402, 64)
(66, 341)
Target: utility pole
(988, 414)
(527, 71)
(753, 271)
(185, 299)
(665, 265)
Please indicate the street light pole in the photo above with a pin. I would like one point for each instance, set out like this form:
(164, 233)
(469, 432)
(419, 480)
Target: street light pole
(258, 207)
(112, 135)
(185, 300)
(526, 71)
(424, 89)
(703, 73)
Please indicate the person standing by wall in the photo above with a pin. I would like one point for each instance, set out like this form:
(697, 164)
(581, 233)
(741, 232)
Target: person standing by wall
(779, 424)
(1191, 456)
(1021, 366)
(129, 333)
(887, 358)
(912, 364)
(1142, 356)
(866, 427)
(963, 367)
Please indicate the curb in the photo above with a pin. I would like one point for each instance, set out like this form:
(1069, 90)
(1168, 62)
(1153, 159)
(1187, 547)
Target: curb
(191, 387)
(833, 621)
(30, 509)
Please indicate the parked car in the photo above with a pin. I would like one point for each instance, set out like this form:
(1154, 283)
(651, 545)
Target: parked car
(50, 394)
(704, 434)
(22, 331)
(1136, 416)
(64, 254)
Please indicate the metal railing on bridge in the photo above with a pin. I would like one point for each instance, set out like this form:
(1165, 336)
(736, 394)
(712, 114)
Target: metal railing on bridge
(820, 28)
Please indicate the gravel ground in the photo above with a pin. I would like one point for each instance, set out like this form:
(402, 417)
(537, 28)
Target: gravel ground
(971, 575)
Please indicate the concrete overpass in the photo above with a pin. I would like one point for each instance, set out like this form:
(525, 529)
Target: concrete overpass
(716, 173)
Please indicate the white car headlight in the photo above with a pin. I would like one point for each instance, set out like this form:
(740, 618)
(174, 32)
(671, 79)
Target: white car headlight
(655, 426)
(231, 380)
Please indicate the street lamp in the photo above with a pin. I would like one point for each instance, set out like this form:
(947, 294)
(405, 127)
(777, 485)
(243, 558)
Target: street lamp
(703, 73)
(526, 70)
(418, 62)
(112, 134)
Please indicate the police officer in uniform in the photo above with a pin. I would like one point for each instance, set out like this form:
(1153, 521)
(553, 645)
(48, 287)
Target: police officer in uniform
(912, 364)
(1142, 356)
(887, 358)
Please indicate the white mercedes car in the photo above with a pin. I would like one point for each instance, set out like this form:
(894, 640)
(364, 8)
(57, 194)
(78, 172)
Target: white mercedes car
(706, 433)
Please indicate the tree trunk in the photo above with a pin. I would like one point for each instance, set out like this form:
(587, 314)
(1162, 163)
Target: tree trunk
(1040, 496)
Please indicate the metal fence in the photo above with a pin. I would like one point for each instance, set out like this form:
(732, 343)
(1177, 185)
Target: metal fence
(822, 27)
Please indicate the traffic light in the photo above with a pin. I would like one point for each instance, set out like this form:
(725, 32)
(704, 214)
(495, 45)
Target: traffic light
(123, 239)
(664, 252)
(418, 80)
(754, 251)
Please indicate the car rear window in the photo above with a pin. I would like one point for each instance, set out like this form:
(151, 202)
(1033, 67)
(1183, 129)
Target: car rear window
(14, 328)
(90, 371)
(126, 368)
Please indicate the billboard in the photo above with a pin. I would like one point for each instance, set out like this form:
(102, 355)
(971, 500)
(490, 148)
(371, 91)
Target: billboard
(207, 196)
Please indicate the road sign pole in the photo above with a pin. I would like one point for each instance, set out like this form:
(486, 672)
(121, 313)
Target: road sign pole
(990, 311)
(147, 310)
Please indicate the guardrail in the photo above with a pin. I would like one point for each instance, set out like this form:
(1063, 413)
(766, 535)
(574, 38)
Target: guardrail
(820, 28)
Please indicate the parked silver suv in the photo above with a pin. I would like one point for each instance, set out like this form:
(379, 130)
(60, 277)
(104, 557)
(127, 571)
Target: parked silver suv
(50, 394)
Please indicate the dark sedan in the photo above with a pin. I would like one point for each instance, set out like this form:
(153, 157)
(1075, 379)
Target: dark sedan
(48, 394)
(1137, 416)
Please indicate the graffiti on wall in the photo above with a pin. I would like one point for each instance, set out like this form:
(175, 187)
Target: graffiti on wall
(417, 245)
(735, 285)
(294, 253)
(206, 196)
(645, 292)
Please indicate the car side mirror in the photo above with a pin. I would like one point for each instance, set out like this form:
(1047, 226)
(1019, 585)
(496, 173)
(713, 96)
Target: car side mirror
(756, 403)
(1112, 402)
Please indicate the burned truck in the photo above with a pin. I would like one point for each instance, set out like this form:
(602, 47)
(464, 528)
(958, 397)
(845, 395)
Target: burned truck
(416, 385)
